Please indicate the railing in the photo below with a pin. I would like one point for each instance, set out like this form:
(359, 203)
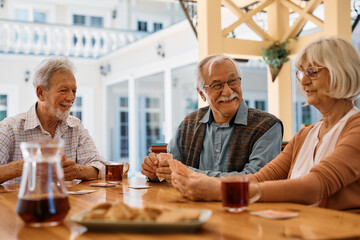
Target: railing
(50, 39)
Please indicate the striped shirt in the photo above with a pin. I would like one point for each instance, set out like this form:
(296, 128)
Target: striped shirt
(24, 127)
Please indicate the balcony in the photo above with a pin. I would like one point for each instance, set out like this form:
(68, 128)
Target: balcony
(62, 40)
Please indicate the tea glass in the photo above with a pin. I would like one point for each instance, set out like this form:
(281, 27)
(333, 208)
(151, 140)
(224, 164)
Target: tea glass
(235, 193)
(113, 172)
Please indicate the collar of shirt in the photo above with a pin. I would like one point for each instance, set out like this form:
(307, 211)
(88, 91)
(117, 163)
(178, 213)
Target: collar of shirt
(240, 117)
(32, 120)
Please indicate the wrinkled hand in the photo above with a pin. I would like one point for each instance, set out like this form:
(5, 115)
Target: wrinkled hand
(149, 166)
(71, 169)
(197, 186)
(164, 171)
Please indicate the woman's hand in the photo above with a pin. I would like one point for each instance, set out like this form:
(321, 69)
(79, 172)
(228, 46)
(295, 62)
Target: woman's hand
(197, 186)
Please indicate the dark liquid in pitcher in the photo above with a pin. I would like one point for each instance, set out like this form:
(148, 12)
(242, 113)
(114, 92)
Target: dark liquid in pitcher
(43, 210)
(235, 194)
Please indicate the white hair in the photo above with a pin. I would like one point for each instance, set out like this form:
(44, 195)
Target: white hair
(341, 59)
(48, 67)
(212, 60)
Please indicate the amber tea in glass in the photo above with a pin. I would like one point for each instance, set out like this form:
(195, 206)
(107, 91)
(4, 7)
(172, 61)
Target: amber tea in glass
(113, 172)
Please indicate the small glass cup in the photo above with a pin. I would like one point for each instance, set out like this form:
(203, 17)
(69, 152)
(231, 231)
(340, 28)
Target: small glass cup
(113, 172)
(235, 193)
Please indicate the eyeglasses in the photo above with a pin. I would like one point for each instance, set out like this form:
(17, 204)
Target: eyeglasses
(311, 73)
(218, 86)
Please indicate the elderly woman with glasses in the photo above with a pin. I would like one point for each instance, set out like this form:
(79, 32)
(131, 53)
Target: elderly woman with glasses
(321, 164)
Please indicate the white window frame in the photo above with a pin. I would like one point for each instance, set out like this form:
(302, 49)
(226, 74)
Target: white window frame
(12, 92)
(88, 12)
(49, 9)
(87, 95)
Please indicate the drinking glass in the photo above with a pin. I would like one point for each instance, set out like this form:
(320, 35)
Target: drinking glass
(235, 193)
(113, 172)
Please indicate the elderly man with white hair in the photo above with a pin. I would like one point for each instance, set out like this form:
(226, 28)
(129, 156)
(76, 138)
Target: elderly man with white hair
(226, 137)
(49, 117)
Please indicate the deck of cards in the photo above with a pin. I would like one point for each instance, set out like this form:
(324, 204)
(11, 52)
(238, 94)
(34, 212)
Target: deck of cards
(274, 214)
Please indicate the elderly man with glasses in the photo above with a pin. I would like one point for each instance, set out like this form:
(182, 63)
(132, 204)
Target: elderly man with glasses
(226, 137)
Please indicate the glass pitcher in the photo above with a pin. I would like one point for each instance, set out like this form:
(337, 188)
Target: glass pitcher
(42, 199)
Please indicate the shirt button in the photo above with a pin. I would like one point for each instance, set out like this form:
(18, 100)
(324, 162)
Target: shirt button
(217, 150)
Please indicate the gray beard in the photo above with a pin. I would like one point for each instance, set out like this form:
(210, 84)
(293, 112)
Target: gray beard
(62, 115)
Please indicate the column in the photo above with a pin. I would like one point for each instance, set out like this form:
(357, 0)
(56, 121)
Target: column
(337, 18)
(168, 102)
(133, 126)
(279, 91)
(209, 30)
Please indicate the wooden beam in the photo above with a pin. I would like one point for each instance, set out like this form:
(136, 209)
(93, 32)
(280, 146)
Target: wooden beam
(241, 48)
(243, 18)
(239, 13)
(300, 22)
(307, 15)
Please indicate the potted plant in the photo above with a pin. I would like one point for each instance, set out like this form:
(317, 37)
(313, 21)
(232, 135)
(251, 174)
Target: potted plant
(275, 56)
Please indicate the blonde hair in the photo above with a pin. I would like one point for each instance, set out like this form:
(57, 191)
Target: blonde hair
(341, 59)
(212, 60)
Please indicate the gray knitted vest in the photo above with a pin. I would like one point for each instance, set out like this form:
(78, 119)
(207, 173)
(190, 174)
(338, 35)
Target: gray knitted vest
(242, 140)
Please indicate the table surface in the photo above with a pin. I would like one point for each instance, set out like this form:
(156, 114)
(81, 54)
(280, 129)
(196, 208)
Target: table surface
(312, 222)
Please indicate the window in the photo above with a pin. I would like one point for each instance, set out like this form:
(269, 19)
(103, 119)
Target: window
(96, 21)
(3, 106)
(22, 15)
(157, 26)
(124, 127)
(79, 20)
(306, 114)
(39, 17)
(260, 104)
(150, 130)
(91, 21)
(142, 26)
(30, 15)
(76, 109)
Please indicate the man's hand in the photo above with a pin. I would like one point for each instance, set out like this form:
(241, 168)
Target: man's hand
(71, 170)
(149, 166)
(164, 171)
(197, 186)
(11, 170)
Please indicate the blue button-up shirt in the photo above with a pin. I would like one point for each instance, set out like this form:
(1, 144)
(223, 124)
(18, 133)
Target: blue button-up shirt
(215, 153)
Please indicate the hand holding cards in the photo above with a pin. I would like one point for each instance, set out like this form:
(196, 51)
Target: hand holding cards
(161, 158)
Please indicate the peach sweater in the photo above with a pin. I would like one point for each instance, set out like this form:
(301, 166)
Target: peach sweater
(333, 183)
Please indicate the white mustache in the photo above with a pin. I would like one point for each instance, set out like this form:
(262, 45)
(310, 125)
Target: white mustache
(224, 98)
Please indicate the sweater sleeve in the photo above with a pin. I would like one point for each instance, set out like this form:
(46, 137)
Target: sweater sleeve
(334, 173)
(278, 168)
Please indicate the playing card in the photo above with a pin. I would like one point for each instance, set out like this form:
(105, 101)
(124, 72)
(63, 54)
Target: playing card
(102, 184)
(161, 157)
(81, 192)
(139, 186)
(274, 214)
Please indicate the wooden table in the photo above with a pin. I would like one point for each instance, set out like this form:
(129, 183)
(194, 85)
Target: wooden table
(312, 222)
